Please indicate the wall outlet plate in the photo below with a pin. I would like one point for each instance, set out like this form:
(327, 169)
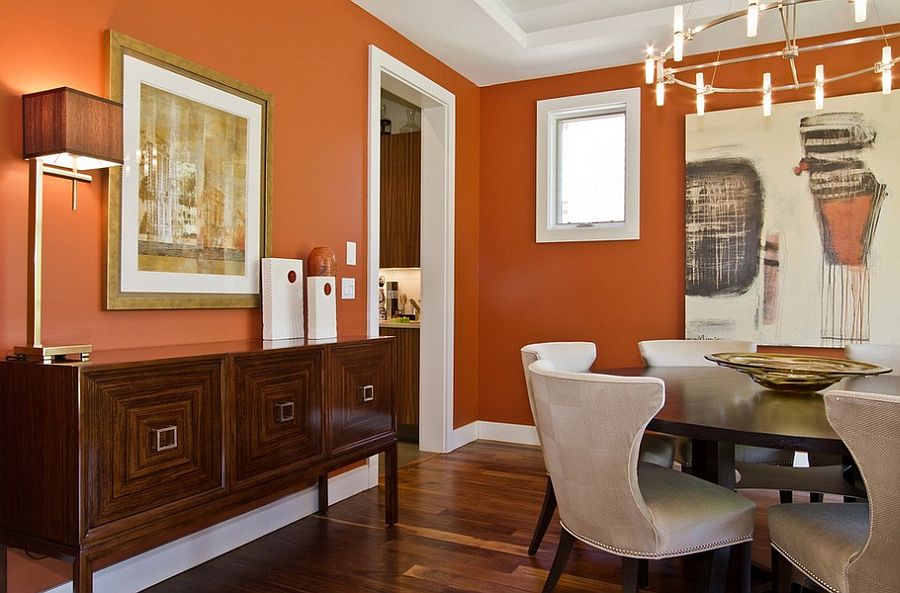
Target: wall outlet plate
(348, 288)
(351, 253)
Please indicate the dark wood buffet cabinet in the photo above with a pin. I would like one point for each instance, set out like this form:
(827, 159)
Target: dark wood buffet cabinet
(105, 459)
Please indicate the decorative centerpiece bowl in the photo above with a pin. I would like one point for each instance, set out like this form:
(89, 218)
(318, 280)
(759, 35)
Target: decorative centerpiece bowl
(791, 372)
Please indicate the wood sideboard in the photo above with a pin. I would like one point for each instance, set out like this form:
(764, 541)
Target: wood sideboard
(105, 459)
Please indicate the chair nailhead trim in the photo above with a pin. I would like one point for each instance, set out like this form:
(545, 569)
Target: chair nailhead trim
(805, 570)
(682, 552)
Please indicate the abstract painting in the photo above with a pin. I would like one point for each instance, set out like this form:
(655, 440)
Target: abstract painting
(192, 186)
(188, 211)
(790, 223)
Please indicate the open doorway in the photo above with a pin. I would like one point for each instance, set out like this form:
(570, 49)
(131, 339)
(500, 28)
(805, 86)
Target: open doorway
(400, 274)
(437, 122)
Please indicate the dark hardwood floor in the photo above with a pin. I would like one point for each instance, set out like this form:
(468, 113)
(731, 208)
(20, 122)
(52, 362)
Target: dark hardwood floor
(465, 523)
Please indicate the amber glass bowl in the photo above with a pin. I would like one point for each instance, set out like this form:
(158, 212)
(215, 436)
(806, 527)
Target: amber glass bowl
(790, 372)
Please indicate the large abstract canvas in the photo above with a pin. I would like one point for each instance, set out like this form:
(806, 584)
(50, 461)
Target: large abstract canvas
(791, 223)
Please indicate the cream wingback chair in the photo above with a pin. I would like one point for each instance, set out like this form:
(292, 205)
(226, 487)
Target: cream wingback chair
(577, 357)
(692, 353)
(688, 353)
(848, 547)
(590, 427)
(887, 355)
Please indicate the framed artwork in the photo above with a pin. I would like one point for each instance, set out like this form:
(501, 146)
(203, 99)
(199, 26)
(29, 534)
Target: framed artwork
(789, 223)
(189, 211)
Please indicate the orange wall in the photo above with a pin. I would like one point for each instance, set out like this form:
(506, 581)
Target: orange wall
(313, 57)
(612, 293)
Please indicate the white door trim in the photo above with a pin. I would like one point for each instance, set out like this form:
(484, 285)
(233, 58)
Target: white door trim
(437, 247)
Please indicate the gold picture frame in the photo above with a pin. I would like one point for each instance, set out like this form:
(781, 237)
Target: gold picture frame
(189, 213)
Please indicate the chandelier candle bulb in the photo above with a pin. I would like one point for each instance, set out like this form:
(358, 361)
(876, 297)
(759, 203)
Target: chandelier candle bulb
(701, 97)
(660, 94)
(801, 80)
(820, 86)
(767, 94)
(649, 70)
(678, 29)
(859, 10)
(752, 17)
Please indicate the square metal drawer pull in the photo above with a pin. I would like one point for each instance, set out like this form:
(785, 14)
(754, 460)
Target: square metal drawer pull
(165, 438)
(367, 392)
(284, 412)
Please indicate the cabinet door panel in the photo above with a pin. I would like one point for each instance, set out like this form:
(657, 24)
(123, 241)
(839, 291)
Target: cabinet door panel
(278, 413)
(406, 379)
(362, 406)
(154, 438)
(400, 200)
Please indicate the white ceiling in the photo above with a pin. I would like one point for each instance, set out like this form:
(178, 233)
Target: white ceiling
(494, 41)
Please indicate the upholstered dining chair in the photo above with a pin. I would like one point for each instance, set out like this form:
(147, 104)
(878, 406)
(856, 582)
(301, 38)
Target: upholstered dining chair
(578, 357)
(692, 353)
(887, 355)
(848, 547)
(590, 426)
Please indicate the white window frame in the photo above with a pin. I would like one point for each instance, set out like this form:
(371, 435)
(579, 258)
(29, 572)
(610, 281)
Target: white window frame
(549, 113)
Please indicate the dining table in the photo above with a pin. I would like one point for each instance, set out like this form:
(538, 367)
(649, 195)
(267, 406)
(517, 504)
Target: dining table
(718, 408)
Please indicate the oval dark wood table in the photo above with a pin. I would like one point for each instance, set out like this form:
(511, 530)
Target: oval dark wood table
(718, 408)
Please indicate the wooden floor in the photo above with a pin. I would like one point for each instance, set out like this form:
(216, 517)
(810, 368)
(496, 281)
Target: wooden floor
(465, 522)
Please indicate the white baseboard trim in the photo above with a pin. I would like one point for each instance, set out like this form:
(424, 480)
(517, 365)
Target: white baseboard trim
(463, 436)
(520, 434)
(159, 564)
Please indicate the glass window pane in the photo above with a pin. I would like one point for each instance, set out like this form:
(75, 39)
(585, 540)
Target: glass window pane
(591, 169)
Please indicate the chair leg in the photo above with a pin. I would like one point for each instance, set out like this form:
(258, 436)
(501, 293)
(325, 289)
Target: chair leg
(744, 554)
(631, 574)
(718, 570)
(786, 496)
(566, 541)
(643, 573)
(781, 573)
(547, 510)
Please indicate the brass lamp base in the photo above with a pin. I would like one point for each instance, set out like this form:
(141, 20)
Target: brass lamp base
(51, 354)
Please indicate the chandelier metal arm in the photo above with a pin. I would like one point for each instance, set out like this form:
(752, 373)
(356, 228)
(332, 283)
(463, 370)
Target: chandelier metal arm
(670, 74)
(786, 87)
(791, 51)
(689, 33)
(655, 69)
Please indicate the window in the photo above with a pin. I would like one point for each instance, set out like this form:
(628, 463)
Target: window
(588, 167)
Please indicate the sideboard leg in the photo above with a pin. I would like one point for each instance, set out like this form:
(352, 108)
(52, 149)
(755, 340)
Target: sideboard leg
(2, 568)
(82, 574)
(323, 494)
(390, 485)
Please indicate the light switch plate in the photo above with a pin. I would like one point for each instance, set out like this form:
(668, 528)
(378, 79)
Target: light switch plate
(351, 253)
(348, 288)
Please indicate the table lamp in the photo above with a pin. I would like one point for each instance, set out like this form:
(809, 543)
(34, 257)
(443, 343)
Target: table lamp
(65, 131)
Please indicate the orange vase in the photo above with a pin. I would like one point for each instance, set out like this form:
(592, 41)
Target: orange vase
(321, 262)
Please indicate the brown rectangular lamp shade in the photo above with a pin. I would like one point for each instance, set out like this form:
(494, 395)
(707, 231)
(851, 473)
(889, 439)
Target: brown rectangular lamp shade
(72, 129)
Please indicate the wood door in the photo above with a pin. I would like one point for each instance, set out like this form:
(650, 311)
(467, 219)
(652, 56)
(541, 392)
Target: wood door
(361, 405)
(154, 439)
(406, 380)
(278, 401)
(401, 156)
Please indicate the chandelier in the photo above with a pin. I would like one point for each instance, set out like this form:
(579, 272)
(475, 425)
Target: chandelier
(657, 71)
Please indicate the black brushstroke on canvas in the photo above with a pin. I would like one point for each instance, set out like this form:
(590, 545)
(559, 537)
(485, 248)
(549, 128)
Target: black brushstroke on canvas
(723, 225)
